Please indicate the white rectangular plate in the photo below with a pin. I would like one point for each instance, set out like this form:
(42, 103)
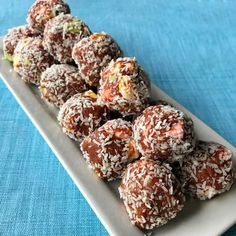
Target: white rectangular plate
(198, 217)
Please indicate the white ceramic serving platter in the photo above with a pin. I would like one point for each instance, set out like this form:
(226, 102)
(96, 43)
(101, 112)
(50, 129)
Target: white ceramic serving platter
(198, 217)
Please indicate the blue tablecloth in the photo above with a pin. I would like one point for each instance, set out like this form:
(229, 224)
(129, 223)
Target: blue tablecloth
(188, 48)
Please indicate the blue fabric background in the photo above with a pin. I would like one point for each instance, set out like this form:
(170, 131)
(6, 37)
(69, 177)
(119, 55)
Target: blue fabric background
(188, 48)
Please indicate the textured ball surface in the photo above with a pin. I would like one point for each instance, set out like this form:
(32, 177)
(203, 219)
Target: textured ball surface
(81, 115)
(93, 53)
(60, 82)
(110, 148)
(44, 10)
(208, 170)
(124, 86)
(151, 194)
(61, 34)
(11, 39)
(31, 59)
(164, 133)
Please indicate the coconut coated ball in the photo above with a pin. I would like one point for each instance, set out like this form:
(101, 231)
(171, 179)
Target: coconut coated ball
(61, 34)
(44, 10)
(81, 115)
(60, 82)
(164, 133)
(93, 53)
(31, 59)
(208, 170)
(124, 86)
(151, 194)
(110, 148)
(11, 39)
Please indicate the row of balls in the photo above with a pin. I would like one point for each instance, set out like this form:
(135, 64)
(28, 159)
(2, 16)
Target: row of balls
(104, 104)
(40, 58)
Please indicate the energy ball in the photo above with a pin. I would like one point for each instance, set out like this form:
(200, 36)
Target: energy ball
(31, 59)
(44, 10)
(208, 170)
(11, 39)
(61, 34)
(124, 86)
(81, 115)
(93, 53)
(110, 148)
(60, 82)
(151, 194)
(164, 133)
